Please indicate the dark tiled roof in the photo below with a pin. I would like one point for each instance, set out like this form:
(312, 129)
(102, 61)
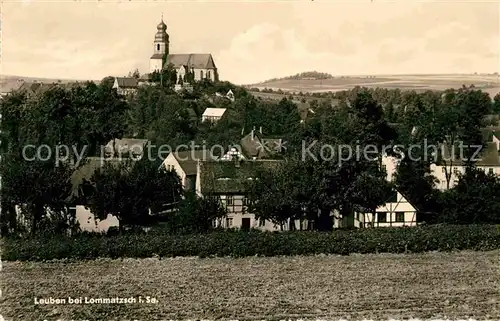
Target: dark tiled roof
(488, 157)
(192, 113)
(226, 177)
(199, 61)
(188, 159)
(259, 146)
(127, 82)
(252, 146)
(156, 56)
(126, 145)
(91, 164)
(35, 86)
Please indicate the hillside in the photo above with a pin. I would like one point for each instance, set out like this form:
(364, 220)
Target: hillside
(299, 83)
(308, 75)
(10, 82)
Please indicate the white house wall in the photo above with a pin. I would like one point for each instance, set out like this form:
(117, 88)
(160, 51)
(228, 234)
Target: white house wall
(84, 218)
(236, 214)
(439, 173)
(391, 166)
(88, 223)
(171, 162)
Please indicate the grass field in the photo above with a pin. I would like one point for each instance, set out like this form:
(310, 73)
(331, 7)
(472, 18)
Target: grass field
(432, 285)
(403, 82)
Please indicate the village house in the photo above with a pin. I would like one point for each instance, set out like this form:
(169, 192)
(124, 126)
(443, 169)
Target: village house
(213, 114)
(126, 85)
(396, 212)
(226, 180)
(184, 163)
(489, 160)
(84, 217)
(201, 65)
(256, 146)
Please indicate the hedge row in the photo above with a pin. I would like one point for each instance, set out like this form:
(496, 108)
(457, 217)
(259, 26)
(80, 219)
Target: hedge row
(240, 244)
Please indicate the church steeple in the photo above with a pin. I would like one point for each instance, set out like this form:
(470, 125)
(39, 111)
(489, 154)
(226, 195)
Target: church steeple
(161, 42)
(160, 47)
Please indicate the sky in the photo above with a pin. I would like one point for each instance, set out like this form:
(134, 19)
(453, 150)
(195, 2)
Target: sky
(251, 41)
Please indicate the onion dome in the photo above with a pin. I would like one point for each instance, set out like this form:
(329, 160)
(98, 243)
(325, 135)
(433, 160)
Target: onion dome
(162, 27)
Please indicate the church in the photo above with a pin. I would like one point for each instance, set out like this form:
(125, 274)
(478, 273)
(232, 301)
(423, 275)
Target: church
(200, 64)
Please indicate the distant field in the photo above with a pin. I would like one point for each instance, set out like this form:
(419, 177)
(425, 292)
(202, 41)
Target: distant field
(433, 285)
(408, 82)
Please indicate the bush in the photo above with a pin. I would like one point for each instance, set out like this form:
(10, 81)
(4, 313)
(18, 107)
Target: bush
(240, 243)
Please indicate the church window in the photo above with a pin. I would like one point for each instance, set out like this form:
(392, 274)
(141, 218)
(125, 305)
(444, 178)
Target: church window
(208, 75)
(201, 74)
(158, 47)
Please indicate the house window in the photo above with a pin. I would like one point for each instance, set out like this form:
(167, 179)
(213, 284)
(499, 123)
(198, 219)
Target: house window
(262, 222)
(382, 217)
(400, 217)
(230, 200)
(443, 169)
(490, 171)
(229, 222)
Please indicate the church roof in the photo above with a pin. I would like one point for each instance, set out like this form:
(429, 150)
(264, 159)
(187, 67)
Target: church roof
(157, 56)
(126, 82)
(192, 60)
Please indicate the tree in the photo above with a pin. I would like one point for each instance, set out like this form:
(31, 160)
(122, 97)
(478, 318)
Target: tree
(36, 187)
(129, 189)
(473, 200)
(135, 74)
(107, 81)
(197, 214)
(496, 103)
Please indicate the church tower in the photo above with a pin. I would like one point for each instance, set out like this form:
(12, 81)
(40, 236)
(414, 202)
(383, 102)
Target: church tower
(160, 47)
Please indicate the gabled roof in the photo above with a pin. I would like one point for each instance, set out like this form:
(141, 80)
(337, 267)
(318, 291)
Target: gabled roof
(228, 177)
(254, 145)
(188, 159)
(214, 112)
(127, 82)
(126, 145)
(7, 86)
(191, 60)
(395, 198)
(90, 166)
(489, 155)
(35, 86)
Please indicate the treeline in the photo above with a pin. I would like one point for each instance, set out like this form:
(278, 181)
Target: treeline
(303, 75)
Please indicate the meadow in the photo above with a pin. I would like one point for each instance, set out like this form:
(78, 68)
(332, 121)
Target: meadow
(489, 83)
(455, 285)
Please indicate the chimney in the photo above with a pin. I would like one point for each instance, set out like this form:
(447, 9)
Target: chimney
(252, 133)
(260, 130)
